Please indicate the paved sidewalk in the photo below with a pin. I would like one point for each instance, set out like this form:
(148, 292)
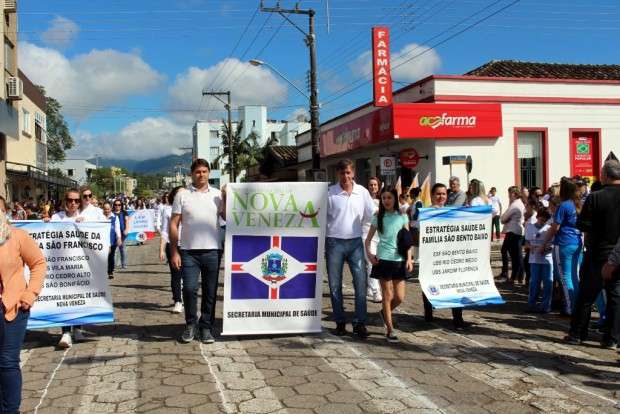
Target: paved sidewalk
(508, 362)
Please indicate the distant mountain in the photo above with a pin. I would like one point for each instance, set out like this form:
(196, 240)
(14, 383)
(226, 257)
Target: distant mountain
(164, 165)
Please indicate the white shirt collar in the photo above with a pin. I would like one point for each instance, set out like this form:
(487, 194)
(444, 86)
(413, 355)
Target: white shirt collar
(192, 188)
(341, 190)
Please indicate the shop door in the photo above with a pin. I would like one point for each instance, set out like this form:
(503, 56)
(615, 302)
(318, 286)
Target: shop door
(584, 154)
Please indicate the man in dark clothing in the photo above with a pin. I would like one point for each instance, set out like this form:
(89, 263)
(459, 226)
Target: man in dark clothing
(600, 221)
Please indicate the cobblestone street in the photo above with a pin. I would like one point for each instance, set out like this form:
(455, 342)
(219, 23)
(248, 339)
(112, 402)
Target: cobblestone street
(508, 362)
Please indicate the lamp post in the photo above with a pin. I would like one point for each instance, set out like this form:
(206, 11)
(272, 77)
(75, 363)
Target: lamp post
(314, 113)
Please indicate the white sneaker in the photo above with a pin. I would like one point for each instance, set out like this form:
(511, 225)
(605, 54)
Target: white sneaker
(78, 335)
(178, 307)
(376, 297)
(65, 341)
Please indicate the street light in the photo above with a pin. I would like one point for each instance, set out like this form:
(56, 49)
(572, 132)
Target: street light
(314, 113)
(256, 62)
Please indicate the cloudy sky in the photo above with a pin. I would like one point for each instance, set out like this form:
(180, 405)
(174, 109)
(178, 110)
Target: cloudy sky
(130, 74)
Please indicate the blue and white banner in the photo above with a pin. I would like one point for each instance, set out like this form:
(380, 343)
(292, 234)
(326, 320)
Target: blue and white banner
(76, 290)
(141, 226)
(455, 249)
(275, 233)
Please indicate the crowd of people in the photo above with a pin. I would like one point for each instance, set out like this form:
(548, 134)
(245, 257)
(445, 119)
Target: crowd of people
(564, 243)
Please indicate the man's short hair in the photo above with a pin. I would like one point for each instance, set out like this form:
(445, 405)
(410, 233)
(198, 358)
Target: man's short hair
(343, 164)
(611, 169)
(437, 186)
(200, 162)
(454, 178)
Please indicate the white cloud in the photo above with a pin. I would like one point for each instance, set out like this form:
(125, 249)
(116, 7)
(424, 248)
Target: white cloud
(298, 113)
(249, 85)
(416, 69)
(140, 140)
(88, 82)
(61, 33)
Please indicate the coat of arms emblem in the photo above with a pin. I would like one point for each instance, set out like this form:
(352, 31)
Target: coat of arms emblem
(274, 267)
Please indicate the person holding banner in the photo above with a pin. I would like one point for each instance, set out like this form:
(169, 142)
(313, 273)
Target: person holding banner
(115, 236)
(349, 206)
(17, 296)
(165, 252)
(439, 194)
(389, 267)
(199, 208)
(88, 210)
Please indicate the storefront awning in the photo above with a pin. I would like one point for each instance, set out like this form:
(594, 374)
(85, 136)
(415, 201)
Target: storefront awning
(414, 121)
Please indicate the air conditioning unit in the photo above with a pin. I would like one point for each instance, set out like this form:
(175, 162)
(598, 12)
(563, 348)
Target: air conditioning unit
(10, 6)
(15, 88)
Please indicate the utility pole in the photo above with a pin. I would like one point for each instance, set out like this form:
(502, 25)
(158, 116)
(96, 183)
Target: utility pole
(231, 152)
(310, 39)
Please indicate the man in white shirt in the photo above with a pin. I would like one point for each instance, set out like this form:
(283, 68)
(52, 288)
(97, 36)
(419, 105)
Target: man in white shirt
(349, 206)
(199, 208)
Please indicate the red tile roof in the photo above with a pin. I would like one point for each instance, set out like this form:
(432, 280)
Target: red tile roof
(517, 69)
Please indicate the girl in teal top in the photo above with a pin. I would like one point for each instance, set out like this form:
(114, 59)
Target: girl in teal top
(388, 265)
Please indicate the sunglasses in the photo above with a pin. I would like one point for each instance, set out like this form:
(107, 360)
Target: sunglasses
(72, 200)
(89, 195)
(118, 205)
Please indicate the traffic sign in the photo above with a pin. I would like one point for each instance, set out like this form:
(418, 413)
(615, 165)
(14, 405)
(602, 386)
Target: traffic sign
(387, 165)
(409, 158)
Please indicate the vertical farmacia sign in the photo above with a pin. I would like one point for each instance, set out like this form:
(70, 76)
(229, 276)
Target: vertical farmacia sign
(382, 77)
(275, 235)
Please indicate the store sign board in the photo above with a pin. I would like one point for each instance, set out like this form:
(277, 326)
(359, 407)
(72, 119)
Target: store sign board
(382, 78)
(447, 120)
(371, 128)
(582, 150)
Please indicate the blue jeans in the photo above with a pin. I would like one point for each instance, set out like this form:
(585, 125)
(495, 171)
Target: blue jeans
(541, 273)
(566, 259)
(123, 254)
(176, 276)
(204, 263)
(11, 339)
(337, 251)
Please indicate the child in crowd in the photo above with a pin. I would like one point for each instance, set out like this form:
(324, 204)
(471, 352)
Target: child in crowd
(541, 263)
(388, 265)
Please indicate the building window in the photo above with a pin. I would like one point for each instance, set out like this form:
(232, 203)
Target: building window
(70, 172)
(9, 57)
(214, 154)
(274, 137)
(26, 122)
(214, 134)
(530, 158)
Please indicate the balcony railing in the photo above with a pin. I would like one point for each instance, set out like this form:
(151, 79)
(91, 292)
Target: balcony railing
(25, 170)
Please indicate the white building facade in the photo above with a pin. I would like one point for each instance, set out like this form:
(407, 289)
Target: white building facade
(518, 130)
(77, 169)
(207, 142)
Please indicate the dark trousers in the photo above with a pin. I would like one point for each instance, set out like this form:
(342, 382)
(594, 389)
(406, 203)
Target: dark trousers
(176, 276)
(11, 339)
(111, 260)
(513, 248)
(457, 313)
(526, 267)
(206, 265)
(590, 285)
(495, 228)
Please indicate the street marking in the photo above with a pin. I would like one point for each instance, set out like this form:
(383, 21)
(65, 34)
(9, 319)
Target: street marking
(407, 387)
(45, 390)
(218, 383)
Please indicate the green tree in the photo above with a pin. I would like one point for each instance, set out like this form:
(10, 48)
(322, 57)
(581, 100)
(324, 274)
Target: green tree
(246, 152)
(59, 138)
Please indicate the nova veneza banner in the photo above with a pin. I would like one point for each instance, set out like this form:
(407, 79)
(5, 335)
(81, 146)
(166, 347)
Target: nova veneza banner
(455, 249)
(141, 226)
(275, 237)
(76, 290)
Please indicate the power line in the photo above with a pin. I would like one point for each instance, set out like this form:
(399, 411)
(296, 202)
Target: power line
(431, 47)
